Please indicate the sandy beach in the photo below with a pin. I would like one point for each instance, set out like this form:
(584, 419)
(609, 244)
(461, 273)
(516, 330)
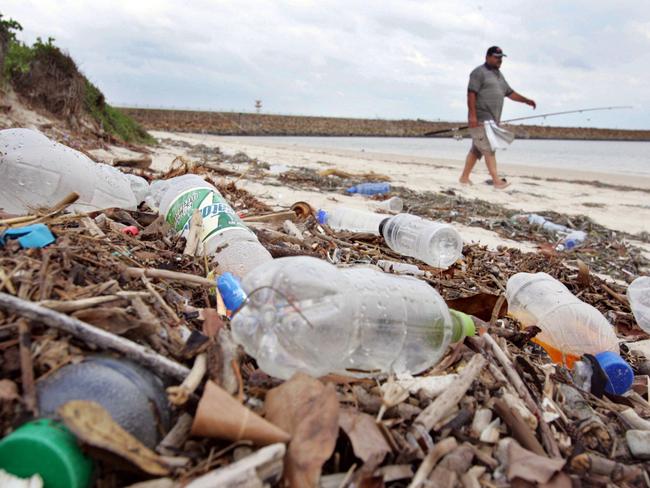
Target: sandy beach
(618, 204)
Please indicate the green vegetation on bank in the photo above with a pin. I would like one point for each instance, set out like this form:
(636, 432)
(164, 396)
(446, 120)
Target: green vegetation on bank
(50, 79)
(111, 119)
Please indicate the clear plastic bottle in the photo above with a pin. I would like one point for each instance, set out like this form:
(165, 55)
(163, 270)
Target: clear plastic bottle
(393, 204)
(224, 236)
(569, 326)
(638, 293)
(435, 243)
(304, 314)
(370, 188)
(571, 241)
(38, 172)
(350, 219)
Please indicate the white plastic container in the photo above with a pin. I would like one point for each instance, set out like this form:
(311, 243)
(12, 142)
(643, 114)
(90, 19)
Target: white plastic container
(38, 172)
(304, 314)
(234, 246)
(435, 243)
(352, 220)
(639, 295)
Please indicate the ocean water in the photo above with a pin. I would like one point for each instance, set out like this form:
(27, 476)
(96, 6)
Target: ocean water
(618, 157)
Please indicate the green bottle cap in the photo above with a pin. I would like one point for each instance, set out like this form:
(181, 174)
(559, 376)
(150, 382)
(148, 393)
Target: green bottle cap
(466, 325)
(48, 448)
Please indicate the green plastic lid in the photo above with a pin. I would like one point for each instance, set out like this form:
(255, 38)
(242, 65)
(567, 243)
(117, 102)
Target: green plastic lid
(48, 448)
(466, 325)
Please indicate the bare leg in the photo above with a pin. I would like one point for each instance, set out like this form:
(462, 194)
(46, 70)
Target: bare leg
(491, 163)
(470, 161)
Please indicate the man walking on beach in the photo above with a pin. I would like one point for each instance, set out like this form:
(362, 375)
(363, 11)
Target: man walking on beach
(485, 93)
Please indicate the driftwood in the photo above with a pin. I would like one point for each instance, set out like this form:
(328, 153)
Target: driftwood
(260, 469)
(442, 405)
(178, 395)
(164, 274)
(547, 436)
(27, 366)
(93, 335)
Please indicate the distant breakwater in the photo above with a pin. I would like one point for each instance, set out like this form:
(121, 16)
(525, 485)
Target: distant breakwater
(259, 124)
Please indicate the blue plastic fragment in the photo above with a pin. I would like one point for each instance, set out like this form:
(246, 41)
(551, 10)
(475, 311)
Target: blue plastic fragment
(619, 374)
(321, 216)
(231, 291)
(29, 236)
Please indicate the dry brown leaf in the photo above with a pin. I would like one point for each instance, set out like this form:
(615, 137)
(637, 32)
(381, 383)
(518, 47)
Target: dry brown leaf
(212, 323)
(112, 319)
(367, 441)
(529, 466)
(55, 354)
(93, 425)
(479, 305)
(309, 411)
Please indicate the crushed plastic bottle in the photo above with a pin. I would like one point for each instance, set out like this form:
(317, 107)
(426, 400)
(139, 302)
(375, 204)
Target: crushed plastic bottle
(350, 219)
(571, 241)
(638, 293)
(569, 326)
(38, 172)
(304, 314)
(234, 246)
(435, 243)
(370, 188)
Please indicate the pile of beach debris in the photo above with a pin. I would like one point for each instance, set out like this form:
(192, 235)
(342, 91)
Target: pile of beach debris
(495, 412)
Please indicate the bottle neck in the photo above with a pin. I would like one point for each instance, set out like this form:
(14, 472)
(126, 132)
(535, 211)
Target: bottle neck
(462, 326)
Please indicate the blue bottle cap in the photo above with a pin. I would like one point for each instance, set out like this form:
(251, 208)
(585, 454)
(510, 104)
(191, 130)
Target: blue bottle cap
(619, 374)
(321, 216)
(231, 291)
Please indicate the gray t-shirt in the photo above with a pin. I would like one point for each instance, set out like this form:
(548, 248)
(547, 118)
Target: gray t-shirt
(491, 88)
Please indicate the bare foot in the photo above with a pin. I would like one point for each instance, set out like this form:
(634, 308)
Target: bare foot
(465, 181)
(502, 184)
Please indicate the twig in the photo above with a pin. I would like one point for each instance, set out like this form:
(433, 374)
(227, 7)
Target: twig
(178, 395)
(193, 242)
(273, 217)
(521, 431)
(262, 468)
(93, 335)
(169, 275)
(176, 436)
(443, 404)
(68, 306)
(594, 464)
(27, 366)
(161, 300)
(547, 436)
(441, 449)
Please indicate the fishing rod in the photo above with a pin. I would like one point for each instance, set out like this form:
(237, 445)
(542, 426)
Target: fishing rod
(456, 129)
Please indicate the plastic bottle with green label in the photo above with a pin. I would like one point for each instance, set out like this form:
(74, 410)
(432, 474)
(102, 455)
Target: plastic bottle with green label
(234, 246)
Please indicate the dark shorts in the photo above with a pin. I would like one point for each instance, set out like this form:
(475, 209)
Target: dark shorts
(480, 144)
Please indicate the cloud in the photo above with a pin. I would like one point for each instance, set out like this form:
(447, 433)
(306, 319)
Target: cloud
(393, 59)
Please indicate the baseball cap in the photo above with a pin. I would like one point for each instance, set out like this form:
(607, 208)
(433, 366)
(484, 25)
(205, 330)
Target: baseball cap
(495, 51)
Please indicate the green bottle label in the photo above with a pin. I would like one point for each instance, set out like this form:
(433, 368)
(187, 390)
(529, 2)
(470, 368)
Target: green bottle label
(218, 216)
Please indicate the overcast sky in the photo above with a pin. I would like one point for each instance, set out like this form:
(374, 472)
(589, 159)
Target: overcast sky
(390, 59)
